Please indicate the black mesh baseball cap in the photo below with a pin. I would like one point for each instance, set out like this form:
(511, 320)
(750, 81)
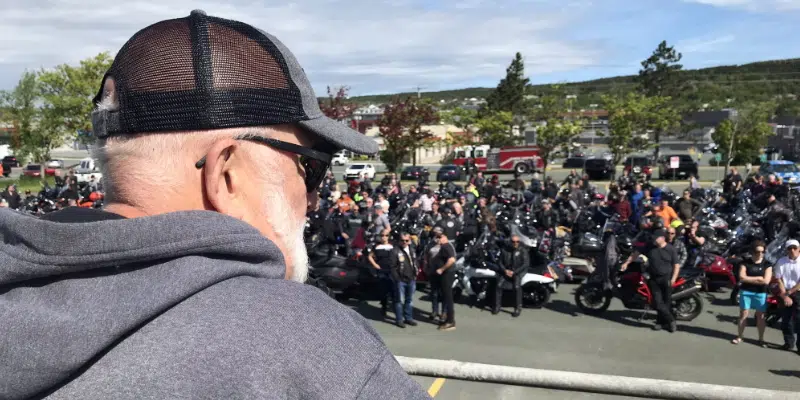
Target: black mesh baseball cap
(202, 72)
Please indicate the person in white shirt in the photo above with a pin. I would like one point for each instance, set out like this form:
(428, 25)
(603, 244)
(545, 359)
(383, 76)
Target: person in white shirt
(383, 202)
(787, 270)
(426, 202)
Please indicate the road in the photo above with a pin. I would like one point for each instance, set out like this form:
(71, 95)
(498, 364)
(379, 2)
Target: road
(559, 337)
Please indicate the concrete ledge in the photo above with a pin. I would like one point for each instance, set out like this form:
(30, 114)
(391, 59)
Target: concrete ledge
(584, 382)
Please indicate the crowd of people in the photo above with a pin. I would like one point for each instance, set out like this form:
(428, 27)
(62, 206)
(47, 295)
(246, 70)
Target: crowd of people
(453, 215)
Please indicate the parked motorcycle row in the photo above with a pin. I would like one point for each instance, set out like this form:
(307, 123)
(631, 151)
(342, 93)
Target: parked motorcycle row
(50, 198)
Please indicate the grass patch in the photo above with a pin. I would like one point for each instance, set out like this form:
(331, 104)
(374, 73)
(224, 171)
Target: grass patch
(26, 183)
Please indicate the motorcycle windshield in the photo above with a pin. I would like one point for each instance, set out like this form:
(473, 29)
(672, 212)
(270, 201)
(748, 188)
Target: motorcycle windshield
(524, 240)
(774, 250)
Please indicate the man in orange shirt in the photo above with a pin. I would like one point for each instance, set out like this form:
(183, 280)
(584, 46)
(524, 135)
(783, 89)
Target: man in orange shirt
(666, 213)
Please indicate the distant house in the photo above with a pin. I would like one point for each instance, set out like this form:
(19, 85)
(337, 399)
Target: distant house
(787, 131)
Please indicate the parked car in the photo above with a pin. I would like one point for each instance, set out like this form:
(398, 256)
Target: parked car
(355, 171)
(35, 171)
(786, 170)
(8, 163)
(413, 173)
(574, 162)
(599, 168)
(686, 167)
(340, 158)
(87, 169)
(449, 173)
(57, 164)
(638, 166)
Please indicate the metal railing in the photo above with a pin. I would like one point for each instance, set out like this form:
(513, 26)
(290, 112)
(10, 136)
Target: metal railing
(585, 382)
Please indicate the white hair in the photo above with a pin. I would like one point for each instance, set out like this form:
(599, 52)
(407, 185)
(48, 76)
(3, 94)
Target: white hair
(146, 168)
(133, 164)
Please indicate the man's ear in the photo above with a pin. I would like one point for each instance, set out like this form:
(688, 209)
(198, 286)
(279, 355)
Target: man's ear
(222, 181)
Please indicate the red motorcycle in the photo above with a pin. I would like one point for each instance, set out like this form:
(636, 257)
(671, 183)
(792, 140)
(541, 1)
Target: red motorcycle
(719, 271)
(631, 287)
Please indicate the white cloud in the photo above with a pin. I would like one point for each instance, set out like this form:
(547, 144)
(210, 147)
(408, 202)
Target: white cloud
(373, 46)
(704, 44)
(753, 5)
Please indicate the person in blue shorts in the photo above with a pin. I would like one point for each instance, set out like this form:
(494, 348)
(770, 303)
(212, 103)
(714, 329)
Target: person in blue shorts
(754, 277)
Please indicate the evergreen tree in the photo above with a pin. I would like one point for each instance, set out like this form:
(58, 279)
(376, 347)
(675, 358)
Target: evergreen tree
(510, 92)
(659, 78)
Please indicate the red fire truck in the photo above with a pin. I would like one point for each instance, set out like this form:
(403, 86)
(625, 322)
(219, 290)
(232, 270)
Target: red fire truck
(522, 159)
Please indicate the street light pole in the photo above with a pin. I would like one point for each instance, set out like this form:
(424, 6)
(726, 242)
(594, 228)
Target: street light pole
(594, 132)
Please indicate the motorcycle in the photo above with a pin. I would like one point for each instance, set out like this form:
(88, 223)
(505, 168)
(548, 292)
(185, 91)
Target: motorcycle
(475, 276)
(631, 288)
(340, 276)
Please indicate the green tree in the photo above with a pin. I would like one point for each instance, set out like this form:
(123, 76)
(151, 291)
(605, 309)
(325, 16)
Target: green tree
(460, 117)
(741, 137)
(557, 129)
(659, 77)
(67, 92)
(788, 107)
(18, 108)
(509, 95)
(659, 73)
(465, 120)
(494, 129)
(627, 125)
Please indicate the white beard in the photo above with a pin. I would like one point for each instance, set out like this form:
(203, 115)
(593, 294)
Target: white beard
(289, 232)
(299, 255)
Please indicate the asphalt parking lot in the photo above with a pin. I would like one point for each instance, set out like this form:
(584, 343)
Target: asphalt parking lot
(559, 337)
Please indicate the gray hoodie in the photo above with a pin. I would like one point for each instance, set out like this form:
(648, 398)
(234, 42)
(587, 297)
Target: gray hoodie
(182, 305)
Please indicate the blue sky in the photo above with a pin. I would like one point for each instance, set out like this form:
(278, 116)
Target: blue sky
(395, 45)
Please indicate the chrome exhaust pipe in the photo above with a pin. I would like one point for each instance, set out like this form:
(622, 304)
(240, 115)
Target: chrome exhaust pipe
(686, 293)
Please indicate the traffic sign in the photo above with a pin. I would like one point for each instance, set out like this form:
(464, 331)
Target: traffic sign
(674, 162)
(718, 157)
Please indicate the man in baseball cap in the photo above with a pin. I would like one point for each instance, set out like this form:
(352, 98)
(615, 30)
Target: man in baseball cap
(664, 268)
(190, 282)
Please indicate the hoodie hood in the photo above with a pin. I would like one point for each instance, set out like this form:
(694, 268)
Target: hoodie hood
(70, 291)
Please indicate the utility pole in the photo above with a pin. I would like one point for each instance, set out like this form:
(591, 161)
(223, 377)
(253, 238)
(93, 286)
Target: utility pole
(419, 91)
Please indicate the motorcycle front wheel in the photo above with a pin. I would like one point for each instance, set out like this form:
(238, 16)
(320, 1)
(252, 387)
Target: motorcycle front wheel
(592, 298)
(535, 295)
(689, 308)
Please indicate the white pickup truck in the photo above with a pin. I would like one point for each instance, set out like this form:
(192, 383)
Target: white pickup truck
(88, 168)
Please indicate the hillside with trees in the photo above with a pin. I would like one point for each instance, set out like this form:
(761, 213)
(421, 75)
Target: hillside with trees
(759, 81)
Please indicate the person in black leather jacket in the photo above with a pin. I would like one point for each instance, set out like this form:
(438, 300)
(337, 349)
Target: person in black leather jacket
(517, 184)
(514, 263)
(548, 217)
(335, 230)
(776, 216)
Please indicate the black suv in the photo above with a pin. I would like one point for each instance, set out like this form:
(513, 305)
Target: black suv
(413, 173)
(8, 163)
(686, 167)
(449, 173)
(599, 168)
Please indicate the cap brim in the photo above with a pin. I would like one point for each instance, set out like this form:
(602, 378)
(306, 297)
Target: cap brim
(340, 135)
